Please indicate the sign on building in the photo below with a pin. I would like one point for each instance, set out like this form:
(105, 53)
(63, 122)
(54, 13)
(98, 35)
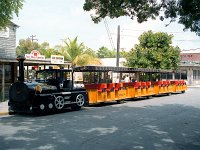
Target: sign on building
(57, 59)
(4, 33)
(35, 54)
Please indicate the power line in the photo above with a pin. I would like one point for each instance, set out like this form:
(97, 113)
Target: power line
(179, 40)
(152, 31)
(188, 40)
(109, 34)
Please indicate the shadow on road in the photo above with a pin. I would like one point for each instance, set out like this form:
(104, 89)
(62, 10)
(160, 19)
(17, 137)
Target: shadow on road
(170, 126)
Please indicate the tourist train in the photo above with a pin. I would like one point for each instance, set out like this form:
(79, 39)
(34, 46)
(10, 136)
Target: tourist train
(57, 89)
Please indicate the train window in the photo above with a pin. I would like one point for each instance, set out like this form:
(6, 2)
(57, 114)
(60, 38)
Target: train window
(66, 76)
(184, 74)
(86, 77)
(177, 75)
(94, 77)
(46, 75)
(164, 76)
(169, 76)
(90, 77)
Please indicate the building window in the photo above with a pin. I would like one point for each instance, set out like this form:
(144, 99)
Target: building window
(196, 74)
(167, 76)
(181, 75)
(8, 73)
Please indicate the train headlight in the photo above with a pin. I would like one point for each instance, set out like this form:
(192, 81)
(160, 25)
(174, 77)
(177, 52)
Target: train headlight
(38, 88)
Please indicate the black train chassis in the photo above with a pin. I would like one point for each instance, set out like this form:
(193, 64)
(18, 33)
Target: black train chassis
(24, 98)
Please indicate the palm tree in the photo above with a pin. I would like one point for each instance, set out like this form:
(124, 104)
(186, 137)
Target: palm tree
(76, 53)
(48, 52)
(86, 59)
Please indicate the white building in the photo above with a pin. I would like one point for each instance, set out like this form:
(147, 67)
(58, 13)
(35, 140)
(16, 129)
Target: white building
(190, 63)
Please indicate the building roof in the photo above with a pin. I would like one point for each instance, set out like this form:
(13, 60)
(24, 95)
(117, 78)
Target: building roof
(197, 50)
(117, 69)
(6, 60)
(43, 62)
(14, 24)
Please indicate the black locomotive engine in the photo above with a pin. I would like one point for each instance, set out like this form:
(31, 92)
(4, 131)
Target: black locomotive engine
(48, 95)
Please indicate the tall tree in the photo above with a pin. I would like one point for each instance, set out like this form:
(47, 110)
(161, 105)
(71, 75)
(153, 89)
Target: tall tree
(26, 46)
(123, 54)
(77, 53)
(7, 9)
(187, 12)
(90, 52)
(104, 52)
(154, 51)
(46, 50)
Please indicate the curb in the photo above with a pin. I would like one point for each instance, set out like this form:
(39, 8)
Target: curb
(4, 113)
(4, 108)
(193, 86)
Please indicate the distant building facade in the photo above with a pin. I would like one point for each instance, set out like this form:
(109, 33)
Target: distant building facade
(190, 62)
(8, 63)
(8, 42)
(189, 68)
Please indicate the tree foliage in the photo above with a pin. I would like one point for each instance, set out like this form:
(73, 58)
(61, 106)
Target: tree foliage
(187, 12)
(104, 52)
(26, 46)
(73, 48)
(90, 52)
(154, 51)
(78, 54)
(123, 53)
(7, 9)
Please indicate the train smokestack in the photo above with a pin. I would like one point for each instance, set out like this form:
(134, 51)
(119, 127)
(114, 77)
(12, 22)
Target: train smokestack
(21, 59)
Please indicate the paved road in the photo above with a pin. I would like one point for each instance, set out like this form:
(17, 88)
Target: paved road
(168, 122)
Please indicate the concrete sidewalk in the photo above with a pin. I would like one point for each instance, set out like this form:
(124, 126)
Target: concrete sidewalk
(4, 108)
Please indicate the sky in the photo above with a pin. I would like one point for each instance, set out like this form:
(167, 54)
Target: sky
(53, 21)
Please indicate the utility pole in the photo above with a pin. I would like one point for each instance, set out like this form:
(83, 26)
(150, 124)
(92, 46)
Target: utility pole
(33, 38)
(118, 45)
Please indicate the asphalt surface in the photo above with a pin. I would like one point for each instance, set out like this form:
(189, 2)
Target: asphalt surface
(161, 123)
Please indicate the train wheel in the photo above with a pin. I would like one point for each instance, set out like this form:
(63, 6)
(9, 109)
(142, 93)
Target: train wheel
(120, 101)
(80, 100)
(40, 110)
(59, 102)
(11, 111)
(149, 97)
(42, 107)
(169, 94)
